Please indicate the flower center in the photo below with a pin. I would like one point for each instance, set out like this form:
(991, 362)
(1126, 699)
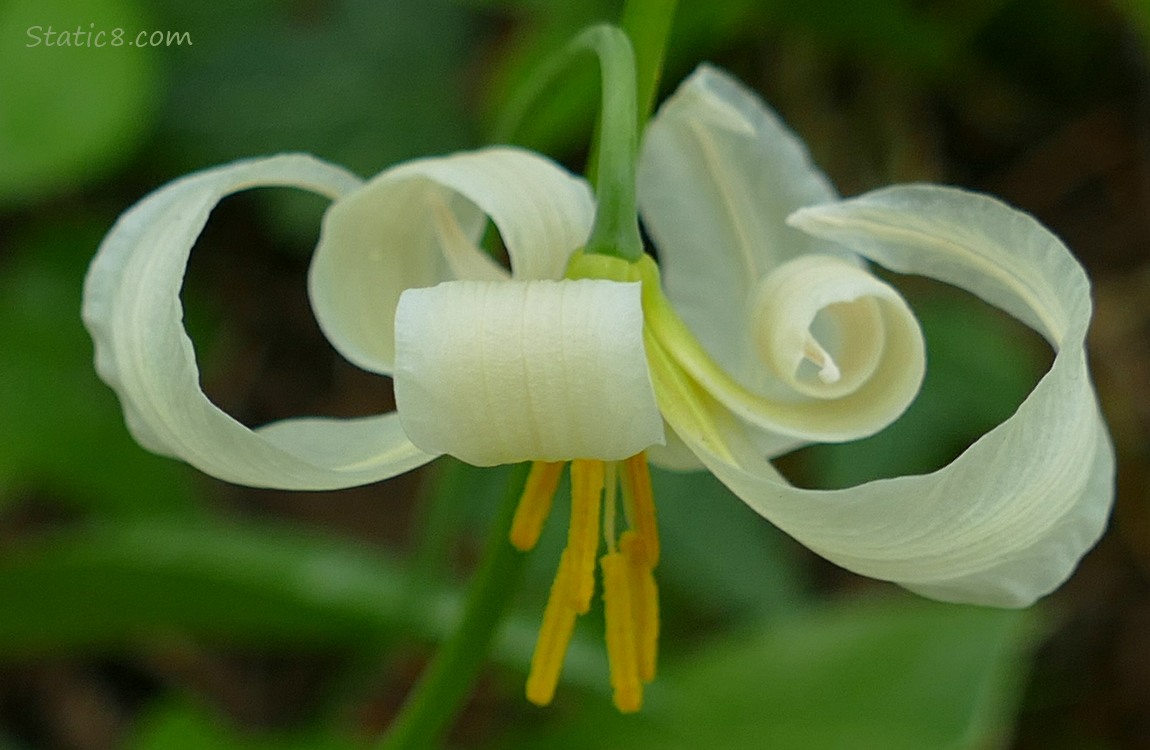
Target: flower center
(630, 597)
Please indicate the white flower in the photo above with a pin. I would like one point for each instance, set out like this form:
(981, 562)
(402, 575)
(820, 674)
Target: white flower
(765, 332)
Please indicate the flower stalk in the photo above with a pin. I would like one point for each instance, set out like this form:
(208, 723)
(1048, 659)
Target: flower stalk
(439, 695)
(615, 231)
(616, 228)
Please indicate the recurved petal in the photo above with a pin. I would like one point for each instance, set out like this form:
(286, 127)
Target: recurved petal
(418, 223)
(496, 373)
(1008, 520)
(844, 349)
(133, 312)
(718, 174)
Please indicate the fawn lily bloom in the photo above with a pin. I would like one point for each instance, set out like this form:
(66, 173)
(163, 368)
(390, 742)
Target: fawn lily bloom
(765, 332)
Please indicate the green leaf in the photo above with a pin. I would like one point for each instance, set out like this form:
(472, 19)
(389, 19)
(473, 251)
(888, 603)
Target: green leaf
(69, 112)
(904, 675)
(895, 675)
(104, 585)
(112, 585)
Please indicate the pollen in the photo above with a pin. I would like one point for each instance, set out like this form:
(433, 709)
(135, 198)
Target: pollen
(630, 595)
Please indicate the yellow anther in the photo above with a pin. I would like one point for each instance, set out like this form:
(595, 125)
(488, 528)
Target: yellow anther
(554, 637)
(621, 647)
(631, 599)
(535, 504)
(644, 603)
(583, 534)
(639, 500)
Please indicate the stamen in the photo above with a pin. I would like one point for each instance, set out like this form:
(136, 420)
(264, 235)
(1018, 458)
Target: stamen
(583, 535)
(554, 637)
(817, 355)
(630, 596)
(535, 504)
(621, 656)
(639, 499)
(644, 603)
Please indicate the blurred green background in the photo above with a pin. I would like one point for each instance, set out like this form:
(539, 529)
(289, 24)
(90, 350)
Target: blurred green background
(143, 605)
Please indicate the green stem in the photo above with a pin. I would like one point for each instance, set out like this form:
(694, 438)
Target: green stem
(437, 524)
(616, 228)
(446, 683)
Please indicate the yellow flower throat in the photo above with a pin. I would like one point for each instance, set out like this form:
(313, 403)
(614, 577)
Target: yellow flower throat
(630, 598)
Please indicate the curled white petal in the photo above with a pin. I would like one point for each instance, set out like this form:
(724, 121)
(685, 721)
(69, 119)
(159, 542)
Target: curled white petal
(497, 373)
(828, 328)
(132, 311)
(1007, 521)
(418, 224)
(719, 173)
(847, 354)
